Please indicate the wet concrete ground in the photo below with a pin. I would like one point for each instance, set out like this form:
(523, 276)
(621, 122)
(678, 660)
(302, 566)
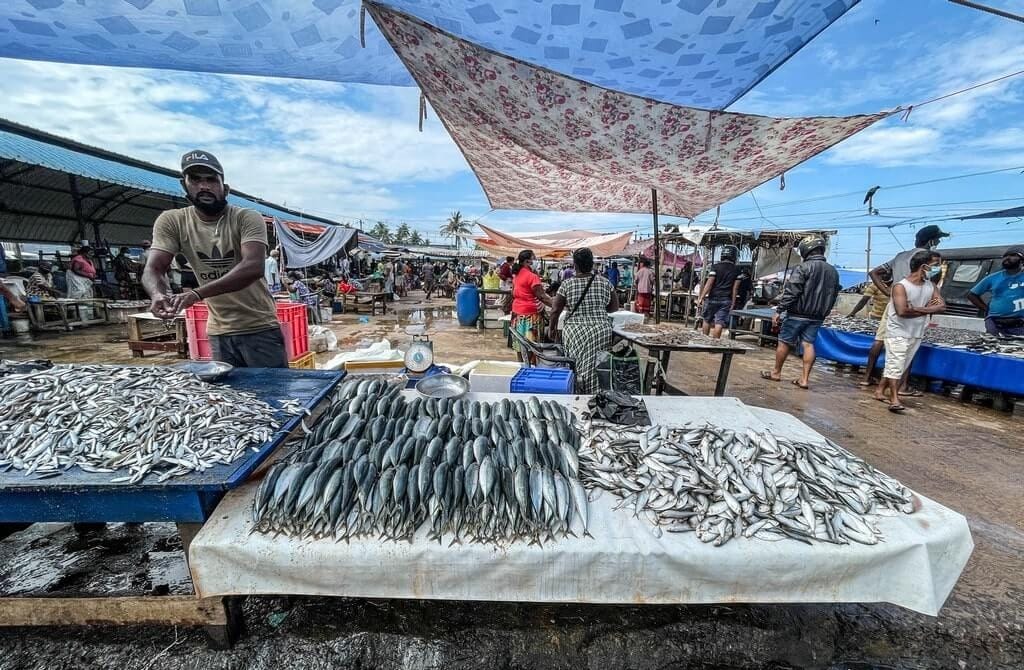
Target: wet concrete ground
(967, 457)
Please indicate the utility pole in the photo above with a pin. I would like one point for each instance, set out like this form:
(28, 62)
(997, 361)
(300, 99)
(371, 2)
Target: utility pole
(868, 252)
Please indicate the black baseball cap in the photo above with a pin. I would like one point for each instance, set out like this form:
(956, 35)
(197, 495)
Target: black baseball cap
(927, 233)
(1014, 251)
(200, 158)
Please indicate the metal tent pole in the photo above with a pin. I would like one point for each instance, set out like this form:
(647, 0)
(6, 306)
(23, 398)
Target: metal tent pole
(657, 258)
(867, 271)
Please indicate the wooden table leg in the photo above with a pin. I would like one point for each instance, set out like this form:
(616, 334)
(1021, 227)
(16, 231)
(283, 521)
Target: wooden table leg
(480, 316)
(723, 373)
(220, 635)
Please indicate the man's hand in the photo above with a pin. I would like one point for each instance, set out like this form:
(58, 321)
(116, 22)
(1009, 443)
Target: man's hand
(17, 304)
(775, 320)
(186, 300)
(164, 306)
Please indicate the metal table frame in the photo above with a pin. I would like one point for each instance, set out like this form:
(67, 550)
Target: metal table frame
(664, 352)
(764, 314)
(37, 313)
(188, 501)
(483, 293)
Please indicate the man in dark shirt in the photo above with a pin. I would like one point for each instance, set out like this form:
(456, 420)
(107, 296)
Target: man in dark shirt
(809, 296)
(719, 292)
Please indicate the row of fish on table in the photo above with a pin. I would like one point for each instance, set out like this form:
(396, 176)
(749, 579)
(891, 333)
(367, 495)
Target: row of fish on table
(669, 335)
(953, 338)
(128, 422)
(379, 465)
(721, 484)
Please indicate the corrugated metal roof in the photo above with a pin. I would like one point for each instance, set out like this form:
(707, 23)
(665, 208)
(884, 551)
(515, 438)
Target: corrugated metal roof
(14, 146)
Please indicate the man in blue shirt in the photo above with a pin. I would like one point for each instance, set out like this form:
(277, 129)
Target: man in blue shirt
(1005, 308)
(613, 274)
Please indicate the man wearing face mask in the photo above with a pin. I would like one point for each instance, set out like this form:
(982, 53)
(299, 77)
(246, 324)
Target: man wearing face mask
(226, 247)
(1005, 308)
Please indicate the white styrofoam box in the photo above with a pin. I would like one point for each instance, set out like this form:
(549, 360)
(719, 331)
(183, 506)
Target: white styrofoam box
(493, 376)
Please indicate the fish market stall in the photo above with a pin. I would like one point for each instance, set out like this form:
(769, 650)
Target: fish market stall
(665, 339)
(964, 357)
(101, 444)
(490, 498)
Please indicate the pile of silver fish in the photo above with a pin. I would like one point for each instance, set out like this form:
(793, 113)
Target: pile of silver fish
(140, 420)
(377, 464)
(953, 338)
(667, 335)
(720, 484)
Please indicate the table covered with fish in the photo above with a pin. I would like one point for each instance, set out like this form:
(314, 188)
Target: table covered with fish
(529, 498)
(948, 354)
(95, 443)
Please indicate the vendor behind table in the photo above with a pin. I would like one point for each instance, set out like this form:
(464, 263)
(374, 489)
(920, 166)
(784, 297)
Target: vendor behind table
(1004, 313)
(226, 246)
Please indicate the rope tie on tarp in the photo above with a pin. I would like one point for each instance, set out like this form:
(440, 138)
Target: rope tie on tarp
(423, 110)
(707, 138)
(782, 181)
(362, 25)
(906, 113)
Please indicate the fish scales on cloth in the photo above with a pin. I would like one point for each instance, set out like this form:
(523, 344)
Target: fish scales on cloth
(721, 484)
(377, 464)
(135, 420)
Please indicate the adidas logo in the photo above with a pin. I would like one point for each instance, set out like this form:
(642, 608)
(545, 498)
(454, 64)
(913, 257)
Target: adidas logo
(216, 260)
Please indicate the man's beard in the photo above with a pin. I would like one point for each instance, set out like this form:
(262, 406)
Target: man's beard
(1012, 265)
(209, 207)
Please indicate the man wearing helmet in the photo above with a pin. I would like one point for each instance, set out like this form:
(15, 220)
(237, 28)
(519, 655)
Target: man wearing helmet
(719, 292)
(809, 296)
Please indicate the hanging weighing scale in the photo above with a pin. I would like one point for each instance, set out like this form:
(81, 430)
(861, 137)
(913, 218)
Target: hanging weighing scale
(419, 357)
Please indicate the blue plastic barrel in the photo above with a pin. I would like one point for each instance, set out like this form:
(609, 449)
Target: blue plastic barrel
(467, 304)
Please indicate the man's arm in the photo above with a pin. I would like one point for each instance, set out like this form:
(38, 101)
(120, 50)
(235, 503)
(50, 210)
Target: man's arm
(974, 295)
(154, 281)
(977, 302)
(613, 304)
(860, 305)
(735, 291)
(876, 279)
(708, 285)
(16, 303)
(905, 310)
(794, 289)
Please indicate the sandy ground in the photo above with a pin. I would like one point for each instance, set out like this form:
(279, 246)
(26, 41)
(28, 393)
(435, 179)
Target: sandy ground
(967, 457)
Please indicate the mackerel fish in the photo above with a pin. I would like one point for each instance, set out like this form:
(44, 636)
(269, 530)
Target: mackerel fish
(378, 464)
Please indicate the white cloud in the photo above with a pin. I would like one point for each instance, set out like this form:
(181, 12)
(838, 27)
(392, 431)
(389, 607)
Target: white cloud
(887, 145)
(303, 143)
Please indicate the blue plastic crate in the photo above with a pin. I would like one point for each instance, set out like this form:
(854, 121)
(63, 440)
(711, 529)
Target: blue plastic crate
(544, 380)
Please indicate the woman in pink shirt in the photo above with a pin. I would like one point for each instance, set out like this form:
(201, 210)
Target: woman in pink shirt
(81, 275)
(644, 287)
(527, 296)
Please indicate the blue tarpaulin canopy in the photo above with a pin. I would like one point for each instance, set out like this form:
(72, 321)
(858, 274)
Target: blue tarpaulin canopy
(704, 53)
(1010, 213)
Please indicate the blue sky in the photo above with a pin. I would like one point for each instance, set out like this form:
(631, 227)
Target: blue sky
(353, 151)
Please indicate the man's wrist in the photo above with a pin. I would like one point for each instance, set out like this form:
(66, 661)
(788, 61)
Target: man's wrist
(196, 293)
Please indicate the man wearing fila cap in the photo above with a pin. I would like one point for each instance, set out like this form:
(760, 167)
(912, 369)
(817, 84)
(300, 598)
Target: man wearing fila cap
(226, 246)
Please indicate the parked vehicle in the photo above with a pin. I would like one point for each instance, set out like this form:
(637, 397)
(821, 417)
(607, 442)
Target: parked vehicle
(965, 268)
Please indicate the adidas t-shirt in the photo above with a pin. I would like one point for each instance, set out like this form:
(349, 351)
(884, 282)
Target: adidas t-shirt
(213, 249)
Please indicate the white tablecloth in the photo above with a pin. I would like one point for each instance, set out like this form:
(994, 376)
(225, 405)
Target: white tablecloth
(915, 567)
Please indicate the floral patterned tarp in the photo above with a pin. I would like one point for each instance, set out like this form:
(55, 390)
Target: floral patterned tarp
(540, 140)
(552, 245)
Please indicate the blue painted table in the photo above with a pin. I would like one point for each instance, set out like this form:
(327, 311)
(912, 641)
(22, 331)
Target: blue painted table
(78, 496)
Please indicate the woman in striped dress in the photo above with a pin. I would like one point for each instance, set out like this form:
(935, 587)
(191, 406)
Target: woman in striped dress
(587, 329)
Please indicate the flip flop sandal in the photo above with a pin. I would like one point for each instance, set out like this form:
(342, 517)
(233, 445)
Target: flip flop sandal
(796, 382)
(767, 375)
(912, 393)
(897, 409)
(885, 400)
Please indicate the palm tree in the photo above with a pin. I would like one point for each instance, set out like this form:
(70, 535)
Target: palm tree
(381, 232)
(456, 227)
(415, 239)
(403, 234)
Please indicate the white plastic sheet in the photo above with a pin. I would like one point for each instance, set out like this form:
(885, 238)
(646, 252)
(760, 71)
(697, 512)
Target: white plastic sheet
(915, 567)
